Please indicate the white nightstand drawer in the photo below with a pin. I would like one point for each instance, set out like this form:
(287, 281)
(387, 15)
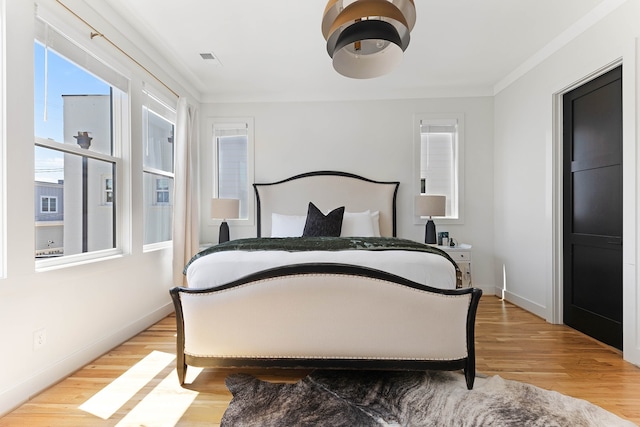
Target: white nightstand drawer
(460, 256)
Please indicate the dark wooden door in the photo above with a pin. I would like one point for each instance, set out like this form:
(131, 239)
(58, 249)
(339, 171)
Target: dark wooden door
(593, 208)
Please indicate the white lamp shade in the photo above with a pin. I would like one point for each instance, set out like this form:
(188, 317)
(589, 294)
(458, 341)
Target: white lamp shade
(225, 208)
(430, 205)
(367, 66)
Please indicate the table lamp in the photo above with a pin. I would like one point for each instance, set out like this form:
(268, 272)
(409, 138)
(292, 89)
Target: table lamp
(430, 205)
(224, 209)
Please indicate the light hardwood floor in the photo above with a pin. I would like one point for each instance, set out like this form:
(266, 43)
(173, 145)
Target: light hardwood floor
(135, 384)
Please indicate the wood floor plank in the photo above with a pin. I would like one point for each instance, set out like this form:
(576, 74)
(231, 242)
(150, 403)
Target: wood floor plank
(136, 384)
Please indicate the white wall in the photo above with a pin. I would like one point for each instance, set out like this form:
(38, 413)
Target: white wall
(86, 309)
(526, 169)
(370, 138)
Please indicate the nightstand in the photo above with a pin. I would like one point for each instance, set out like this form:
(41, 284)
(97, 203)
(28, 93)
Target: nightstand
(206, 245)
(461, 254)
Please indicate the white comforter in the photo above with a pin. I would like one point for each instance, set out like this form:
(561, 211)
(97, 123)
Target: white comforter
(222, 267)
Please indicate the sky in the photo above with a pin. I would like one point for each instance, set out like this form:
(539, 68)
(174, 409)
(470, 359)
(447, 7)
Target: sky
(63, 78)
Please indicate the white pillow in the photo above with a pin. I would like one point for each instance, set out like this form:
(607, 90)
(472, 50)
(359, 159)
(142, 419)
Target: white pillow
(287, 225)
(375, 221)
(357, 224)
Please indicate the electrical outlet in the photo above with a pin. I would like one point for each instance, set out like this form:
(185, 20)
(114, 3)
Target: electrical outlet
(39, 338)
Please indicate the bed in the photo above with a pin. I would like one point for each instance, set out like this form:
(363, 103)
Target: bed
(367, 238)
(365, 299)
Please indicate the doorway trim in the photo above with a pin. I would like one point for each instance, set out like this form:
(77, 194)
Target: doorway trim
(631, 305)
(555, 297)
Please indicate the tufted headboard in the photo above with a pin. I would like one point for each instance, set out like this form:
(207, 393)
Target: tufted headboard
(327, 190)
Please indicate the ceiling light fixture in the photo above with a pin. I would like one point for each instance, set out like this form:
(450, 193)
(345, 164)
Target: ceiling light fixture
(367, 38)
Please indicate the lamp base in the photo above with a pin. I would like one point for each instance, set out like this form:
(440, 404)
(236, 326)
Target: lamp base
(430, 232)
(224, 232)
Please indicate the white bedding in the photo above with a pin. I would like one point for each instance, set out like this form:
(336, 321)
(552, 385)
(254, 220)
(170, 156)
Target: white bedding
(222, 267)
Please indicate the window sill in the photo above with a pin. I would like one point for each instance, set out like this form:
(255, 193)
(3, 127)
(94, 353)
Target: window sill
(152, 247)
(76, 260)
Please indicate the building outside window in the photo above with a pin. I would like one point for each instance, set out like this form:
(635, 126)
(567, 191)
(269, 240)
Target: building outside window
(79, 111)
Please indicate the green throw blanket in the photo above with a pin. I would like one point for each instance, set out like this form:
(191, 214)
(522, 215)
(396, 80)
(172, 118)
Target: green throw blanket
(296, 244)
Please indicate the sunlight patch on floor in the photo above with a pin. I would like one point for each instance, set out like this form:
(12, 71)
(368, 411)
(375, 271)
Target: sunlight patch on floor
(164, 406)
(192, 374)
(111, 398)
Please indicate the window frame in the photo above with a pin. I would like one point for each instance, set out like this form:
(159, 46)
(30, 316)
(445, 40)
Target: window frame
(154, 103)
(69, 260)
(120, 152)
(212, 124)
(48, 198)
(418, 119)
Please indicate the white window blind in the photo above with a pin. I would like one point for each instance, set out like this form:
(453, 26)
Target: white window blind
(439, 152)
(52, 38)
(232, 145)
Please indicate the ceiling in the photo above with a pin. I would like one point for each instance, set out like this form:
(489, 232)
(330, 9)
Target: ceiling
(275, 50)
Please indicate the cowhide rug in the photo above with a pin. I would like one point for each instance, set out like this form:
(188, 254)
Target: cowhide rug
(381, 398)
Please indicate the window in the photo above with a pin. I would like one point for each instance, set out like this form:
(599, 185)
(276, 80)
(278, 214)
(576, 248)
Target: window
(48, 204)
(107, 190)
(233, 171)
(158, 168)
(439, 147)
(80, 111)
(162, 191)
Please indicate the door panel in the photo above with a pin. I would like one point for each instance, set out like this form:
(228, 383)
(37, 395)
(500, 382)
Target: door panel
(594, 196)
(595, 268)
(593, 208)
(597, 118)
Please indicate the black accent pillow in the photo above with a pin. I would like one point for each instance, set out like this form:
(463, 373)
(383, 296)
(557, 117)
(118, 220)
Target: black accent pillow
(321, 225)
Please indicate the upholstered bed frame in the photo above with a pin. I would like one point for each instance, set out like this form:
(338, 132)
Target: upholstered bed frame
(326, 315)
(327, 190)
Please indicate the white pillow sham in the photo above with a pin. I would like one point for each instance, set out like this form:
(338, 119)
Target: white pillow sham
(375, 221)
(287, 225)
(361, 224)
(354, 224)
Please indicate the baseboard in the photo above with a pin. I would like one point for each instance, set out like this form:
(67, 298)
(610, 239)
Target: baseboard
(486, 290)
(530, 306)
(44, 378)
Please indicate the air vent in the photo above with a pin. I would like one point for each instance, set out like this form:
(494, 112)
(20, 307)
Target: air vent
(211, 58)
